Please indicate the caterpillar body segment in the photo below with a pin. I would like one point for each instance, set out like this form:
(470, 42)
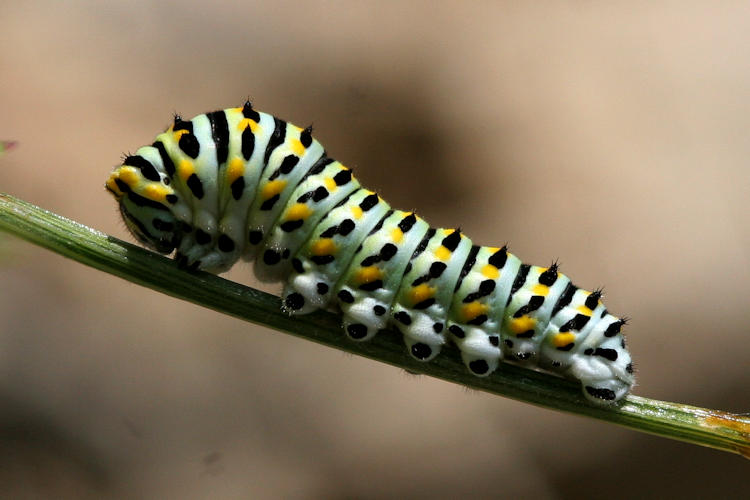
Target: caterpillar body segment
(239, 183)
(322, 263)
(239, 177)
(291, 156)
(424, 297)
(315, 196)
(367, 289)
(477, 312)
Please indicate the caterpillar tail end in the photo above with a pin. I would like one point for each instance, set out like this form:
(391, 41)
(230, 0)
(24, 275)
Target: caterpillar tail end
(603, 384)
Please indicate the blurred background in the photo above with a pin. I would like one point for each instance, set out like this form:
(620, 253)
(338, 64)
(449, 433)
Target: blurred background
(613, 137)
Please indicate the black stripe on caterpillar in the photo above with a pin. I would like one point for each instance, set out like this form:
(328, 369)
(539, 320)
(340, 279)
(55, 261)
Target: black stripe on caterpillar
(241, 183)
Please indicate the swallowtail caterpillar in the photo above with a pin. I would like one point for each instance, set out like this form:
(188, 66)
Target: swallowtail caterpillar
(239, 183)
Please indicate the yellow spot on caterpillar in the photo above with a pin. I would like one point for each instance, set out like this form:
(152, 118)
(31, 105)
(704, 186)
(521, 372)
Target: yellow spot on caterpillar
(421, 292)
(247, 122)
(473, 309)
(330, 184)
(156, 192)
(442, 253)
(296, 146)
(235, 170)
(129, 175)
(397, 235)
(357, 212)
(185, 169)
(491, 272)
(112, 185)
(540, 289)
(298, 211)
(522, 324)
(369, 274)
(176, 135)
(323, 246)
(272, 188)
(563, 339)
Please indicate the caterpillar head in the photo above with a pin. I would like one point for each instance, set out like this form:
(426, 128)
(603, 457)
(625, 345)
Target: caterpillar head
(146, 207)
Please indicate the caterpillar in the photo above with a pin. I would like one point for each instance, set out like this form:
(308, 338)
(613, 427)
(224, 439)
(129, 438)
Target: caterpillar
(239, 183)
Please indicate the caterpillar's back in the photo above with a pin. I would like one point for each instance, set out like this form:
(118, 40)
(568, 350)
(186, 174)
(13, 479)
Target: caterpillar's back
(241, 183)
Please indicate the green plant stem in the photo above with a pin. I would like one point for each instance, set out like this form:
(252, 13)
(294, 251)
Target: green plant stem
(705, 427)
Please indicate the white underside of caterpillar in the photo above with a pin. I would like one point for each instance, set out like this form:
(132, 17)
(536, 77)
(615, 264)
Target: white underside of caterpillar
(238, 183)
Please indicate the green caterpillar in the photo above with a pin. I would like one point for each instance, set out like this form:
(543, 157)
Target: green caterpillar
(241, 183)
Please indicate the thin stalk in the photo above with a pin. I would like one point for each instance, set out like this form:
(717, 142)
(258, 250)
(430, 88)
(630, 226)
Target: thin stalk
(701, 426)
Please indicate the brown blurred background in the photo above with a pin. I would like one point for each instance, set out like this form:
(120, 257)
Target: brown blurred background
(614, 138)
